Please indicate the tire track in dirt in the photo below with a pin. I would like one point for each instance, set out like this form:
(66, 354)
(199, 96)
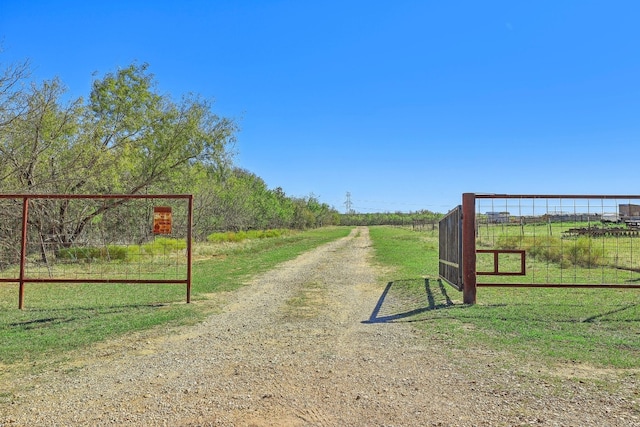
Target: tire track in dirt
(294, 348)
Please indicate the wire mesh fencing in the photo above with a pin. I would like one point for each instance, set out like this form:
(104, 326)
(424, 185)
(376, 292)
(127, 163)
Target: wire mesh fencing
(557, 240)
(95, 239)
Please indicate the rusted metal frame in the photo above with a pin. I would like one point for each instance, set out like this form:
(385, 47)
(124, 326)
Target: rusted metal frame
(107, 281)
(556, 196)
(189, 243)
(449, 263)
(23, 251)
(96, 196)
(459, 248)
(496, 267)
(557, 285)
(454, 285)
(468, 248)
(22, 280)
(450, 248)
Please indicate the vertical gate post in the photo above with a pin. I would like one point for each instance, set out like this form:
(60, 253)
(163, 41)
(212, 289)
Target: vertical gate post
(189, 247)
(469, 248)
(23, 250)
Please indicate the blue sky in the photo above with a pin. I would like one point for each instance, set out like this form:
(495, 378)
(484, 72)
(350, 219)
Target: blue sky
(404, 104)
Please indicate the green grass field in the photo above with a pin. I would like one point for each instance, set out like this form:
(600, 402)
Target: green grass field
(62, 317)
(599, 327)
(595, 326)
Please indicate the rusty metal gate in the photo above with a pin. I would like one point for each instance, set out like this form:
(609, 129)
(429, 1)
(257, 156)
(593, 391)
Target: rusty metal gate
(515, 240)
(450, 248)
(94, 241)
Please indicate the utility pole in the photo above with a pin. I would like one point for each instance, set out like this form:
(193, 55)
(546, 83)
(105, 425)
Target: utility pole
(347, 203)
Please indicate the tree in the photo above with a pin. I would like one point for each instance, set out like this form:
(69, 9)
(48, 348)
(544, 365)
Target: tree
(12, 103)
(38, 146)
(127, 139)
(150, 139)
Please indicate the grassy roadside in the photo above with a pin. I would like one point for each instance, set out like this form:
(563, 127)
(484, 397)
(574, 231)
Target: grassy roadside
(596, 327)
(60, 318)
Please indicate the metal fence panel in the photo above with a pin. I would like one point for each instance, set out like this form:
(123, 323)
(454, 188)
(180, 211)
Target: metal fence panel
(569, 240)
(50, 238)
(450, 248)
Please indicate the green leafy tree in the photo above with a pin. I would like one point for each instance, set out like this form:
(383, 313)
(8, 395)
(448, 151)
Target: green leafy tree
(126, 139)
(151, 140)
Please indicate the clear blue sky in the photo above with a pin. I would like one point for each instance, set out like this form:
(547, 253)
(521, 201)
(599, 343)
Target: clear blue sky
(404, 104)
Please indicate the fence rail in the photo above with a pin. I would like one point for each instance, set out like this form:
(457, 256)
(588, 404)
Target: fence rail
(529, 240)
(56, 238)
(450, 248)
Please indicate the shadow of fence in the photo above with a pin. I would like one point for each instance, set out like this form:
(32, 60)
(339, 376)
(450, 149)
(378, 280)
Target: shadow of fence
(401, 301)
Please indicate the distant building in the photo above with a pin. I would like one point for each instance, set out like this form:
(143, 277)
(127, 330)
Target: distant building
(497, 217)
(629, 210)
(572, 217)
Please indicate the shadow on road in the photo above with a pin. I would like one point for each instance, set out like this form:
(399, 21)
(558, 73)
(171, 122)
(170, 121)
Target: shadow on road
(47, 317)
(400, 300)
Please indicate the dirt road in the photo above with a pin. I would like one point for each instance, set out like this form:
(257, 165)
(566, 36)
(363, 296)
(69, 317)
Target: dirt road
(297, 348)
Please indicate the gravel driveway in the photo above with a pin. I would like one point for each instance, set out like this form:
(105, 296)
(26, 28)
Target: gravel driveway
(295, 348)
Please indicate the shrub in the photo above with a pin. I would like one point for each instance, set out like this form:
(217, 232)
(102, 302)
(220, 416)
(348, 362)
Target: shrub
(93, 253)
(547, 248)
(134, 252)
(584, 254)
(73, 254)
(114, 252)
(215, 238)
(580, 252)
(163, 245)
(239, 236)
(508, 242)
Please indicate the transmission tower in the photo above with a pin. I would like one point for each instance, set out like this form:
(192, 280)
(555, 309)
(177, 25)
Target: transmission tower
(347, 203)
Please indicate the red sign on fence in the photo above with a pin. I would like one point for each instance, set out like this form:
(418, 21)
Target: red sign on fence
(162, 220)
